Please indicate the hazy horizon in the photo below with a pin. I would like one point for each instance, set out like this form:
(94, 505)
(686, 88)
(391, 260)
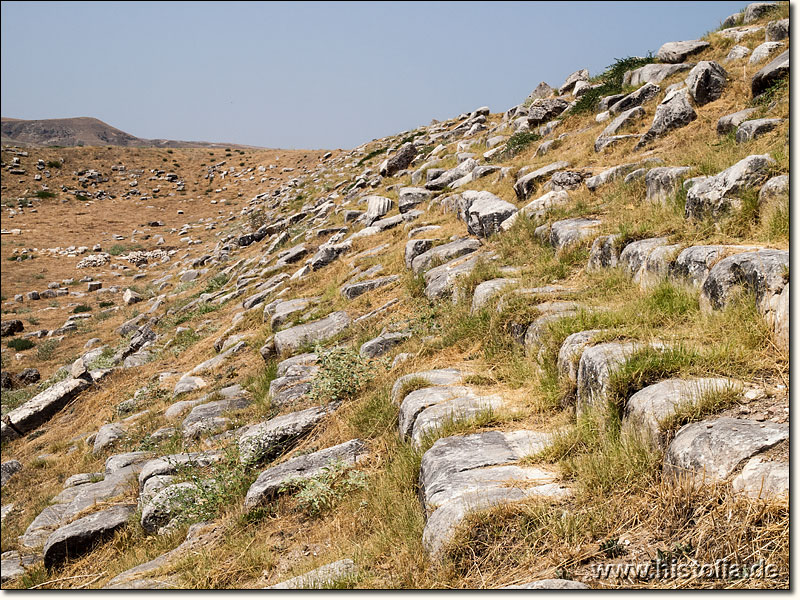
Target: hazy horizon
(311, 75)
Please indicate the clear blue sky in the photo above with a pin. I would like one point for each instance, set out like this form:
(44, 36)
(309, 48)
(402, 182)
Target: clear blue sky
(312, 75)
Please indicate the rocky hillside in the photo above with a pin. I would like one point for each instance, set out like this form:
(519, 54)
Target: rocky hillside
(82, 131)
(543, 348)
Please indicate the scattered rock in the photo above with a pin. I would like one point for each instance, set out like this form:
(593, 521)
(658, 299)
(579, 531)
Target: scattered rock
(776, 70)
(399, 161)
(412, 196)
(717, 194)
(777, 30)
(356, 289)
(756, 10)
(653, 73)
(750, 130)
(736, 53)
(484, 212)
(323, 577)
(662, 182)
(764, 51)
(443, 253)
(382, 344)
(11, 327)
(729, 123)
(130, 297)
(526, 184)
(706, 81)
(7, 469)
(673, 112)
(677, 52)
(79, 537)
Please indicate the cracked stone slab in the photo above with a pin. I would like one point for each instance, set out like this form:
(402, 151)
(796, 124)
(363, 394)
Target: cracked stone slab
(710, 451)
(290, 340)
(382, 344)
(307, 466)
(433, 419)
(720, 193)
(356, 289)
(41, 408)
(463, 474)
(486, 290)
(649, 407)
(265, 441)
(440, 281)
(79, 537)
(434, 377)
(596, 365)
(320, 578)
(443, 253)
(693, 264)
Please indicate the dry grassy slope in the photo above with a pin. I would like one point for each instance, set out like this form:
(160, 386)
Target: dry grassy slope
(619, 493)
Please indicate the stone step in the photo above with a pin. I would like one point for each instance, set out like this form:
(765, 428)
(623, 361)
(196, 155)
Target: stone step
(711, 451)
(464, 474)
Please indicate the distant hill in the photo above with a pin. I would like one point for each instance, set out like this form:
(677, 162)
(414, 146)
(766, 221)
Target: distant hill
(84, 131)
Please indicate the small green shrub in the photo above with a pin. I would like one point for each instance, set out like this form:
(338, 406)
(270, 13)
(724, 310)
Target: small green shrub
(214, 489)
(118, 249)
(371, 155)
(106, 304)
(104, 361)
(517, 143)
(184, 340)
(82, 308)
(45, 194)
(46, 349)
(53, 164)
(215, 283)
(343, 373)
(20, 344)
(610, 82)
(317, 495)
(20, 257)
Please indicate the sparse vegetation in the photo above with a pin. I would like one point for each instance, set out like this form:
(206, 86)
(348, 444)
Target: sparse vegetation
(516, 144)
(318, 495)
(610, 82)
(342, 374)
(20, 344)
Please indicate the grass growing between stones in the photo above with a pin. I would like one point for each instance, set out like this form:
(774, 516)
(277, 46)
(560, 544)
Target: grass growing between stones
(707, 403)
(574, 539)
